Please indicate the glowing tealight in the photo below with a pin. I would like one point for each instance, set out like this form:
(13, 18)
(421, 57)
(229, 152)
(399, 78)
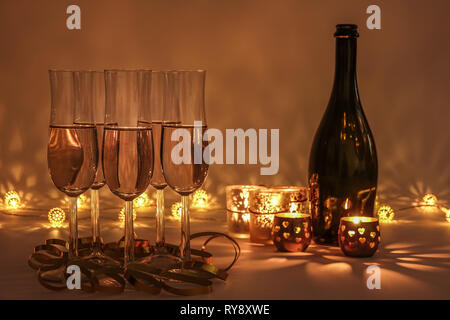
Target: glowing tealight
(199, 199)
(176, 210)
(429, 199)
(356, 220)
(386, 214)
(142, 201)
(122, 216)
(56, 217)
(246, 217)
(12, 200)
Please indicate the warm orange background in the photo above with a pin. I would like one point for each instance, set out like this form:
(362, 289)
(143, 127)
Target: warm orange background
(270, 65)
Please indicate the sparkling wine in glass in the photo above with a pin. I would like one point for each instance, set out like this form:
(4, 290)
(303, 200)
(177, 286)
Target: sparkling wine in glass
(72, 152)
(127, 142)
(188, 175)
(165, 110)
(91, 90)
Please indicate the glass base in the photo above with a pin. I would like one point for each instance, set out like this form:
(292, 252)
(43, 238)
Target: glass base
(102, 260)
(162, 261)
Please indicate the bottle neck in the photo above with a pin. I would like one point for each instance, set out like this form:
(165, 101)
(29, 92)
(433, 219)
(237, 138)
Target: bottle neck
(345, 84)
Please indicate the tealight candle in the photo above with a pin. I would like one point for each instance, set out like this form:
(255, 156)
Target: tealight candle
(292, 231)
(359, 236)
(238, 216)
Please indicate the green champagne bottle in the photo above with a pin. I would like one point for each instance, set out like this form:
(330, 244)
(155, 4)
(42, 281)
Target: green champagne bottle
(343, 168)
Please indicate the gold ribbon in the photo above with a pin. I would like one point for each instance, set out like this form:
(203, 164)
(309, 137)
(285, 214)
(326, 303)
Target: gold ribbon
(50, 260)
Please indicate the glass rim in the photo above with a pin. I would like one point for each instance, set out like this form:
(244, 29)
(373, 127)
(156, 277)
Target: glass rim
(289, 188)
(127, 70)
(188, 70)
(292, 215)
(242, 186)
(72, 70)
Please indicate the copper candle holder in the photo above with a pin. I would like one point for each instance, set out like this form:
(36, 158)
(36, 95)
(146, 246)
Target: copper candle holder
(238, 216)
(265, 202)
(292, 231)
(359, 236)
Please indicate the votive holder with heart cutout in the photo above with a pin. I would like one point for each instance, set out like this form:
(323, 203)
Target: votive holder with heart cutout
(292, 231)
(359, 236)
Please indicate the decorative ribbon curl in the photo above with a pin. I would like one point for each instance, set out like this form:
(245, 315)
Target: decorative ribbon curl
(50, 260)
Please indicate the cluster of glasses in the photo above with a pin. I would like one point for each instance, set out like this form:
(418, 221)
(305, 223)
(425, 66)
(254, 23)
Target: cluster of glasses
(115, 128)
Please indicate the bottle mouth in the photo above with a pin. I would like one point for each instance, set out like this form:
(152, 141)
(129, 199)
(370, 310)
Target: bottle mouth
(346, 31)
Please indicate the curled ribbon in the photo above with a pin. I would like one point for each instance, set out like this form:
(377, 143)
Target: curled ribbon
(50, 260)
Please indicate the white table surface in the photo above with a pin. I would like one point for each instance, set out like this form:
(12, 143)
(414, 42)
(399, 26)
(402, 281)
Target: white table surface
(414, 258)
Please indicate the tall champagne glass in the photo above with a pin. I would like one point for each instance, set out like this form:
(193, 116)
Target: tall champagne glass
(91, 90)
(127, 142)
(72, 152)
(184, 167)
(165, 110)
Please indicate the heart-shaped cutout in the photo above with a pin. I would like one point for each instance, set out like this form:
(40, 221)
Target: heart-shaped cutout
(351, 233)
(373, 234)
(343, 228)
(297, 229)
(342, 239)
(276, 228)
(285, 224)
(372, 244)
(307, 235)
(277, 239)
(361, 230)
(362, 240)
(286, 235)
(298, 240)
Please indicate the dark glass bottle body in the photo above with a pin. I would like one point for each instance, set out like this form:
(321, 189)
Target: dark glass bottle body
(343, 168)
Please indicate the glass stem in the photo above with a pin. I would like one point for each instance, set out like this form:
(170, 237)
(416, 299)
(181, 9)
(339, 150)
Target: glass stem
(160, 219)
(73, 228)
(95, 210)
(129, 233)
(185, 247)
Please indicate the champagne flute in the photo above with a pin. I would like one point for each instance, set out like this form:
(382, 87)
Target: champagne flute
(72, 152)
(91, 90)
(187, 175)
(127, 142)
(165, 110)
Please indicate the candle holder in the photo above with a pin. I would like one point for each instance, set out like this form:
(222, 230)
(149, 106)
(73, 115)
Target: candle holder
(238, 216)
(292, 231)
(359, 236)
(261, 228)
(265, 202)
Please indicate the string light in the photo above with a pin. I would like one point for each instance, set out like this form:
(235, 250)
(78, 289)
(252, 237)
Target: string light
(176, 210)
(447, 213)
(56, 217)
(142, 201)
(429, 200)
(122, 216)
(199, 199)
(12, 200)
(385, 214)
